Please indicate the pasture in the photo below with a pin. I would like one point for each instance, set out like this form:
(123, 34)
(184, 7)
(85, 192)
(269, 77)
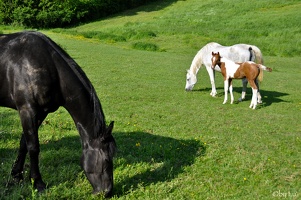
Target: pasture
(174, 144)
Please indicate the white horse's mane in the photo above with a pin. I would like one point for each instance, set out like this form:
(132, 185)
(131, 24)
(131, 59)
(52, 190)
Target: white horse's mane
(199, 58)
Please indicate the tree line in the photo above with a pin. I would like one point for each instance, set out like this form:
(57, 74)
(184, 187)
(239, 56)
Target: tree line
(60, 13)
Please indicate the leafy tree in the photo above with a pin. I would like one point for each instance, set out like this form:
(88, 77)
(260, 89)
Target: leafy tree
(59, 13)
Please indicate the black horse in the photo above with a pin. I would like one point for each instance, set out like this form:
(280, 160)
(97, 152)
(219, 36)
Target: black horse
(36, 78)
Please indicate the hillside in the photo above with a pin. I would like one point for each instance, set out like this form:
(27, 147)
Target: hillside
(176, 26)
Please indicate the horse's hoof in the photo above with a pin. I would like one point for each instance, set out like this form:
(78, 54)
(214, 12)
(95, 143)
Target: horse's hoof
(213, 94)
(39, 185)
(17, 178)
(253, 107)
(240, 99)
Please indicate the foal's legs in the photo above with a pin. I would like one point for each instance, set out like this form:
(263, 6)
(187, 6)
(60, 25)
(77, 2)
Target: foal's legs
(231, 90)
(254, 98)
(244, 89)
(258, 93)
(226, 86)
(254, 94)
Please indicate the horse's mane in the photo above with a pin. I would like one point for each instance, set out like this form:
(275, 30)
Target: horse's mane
(99, 118)
(199, 58)
(196, 62)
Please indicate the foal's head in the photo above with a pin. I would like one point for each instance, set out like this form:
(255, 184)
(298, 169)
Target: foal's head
(216, 59)
(97, 161)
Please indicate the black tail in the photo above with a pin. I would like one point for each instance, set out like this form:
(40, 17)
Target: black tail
(252, 56)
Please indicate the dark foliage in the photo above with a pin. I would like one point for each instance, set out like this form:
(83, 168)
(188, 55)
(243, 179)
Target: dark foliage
(60, 13)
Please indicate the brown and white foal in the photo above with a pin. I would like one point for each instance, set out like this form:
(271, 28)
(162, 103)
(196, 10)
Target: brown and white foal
(231, 70)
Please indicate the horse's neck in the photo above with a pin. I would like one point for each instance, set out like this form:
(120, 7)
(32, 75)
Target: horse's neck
(86, 111)
(229, 66)
(227, 61)
(221, 64)
(196, 63)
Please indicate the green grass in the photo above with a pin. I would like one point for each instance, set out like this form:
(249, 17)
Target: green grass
(174, 144)
(178, 26)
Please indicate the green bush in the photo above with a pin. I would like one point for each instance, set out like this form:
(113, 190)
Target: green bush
(145, 46)
(58, 13)
(103, 36)
(39, 13)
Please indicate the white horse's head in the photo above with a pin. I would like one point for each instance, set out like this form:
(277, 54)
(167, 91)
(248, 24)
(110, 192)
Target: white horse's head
(190, 80)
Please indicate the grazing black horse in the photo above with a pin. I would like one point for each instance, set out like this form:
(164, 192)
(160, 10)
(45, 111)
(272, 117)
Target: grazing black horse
(36, 77)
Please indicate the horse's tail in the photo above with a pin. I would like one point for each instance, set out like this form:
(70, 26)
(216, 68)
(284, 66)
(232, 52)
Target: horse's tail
(265, 68)
(256, 56)
(252, 54)
(255, 51)
(261, 68)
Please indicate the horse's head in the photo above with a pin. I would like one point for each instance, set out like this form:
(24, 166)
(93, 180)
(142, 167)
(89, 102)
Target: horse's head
(190, 80)
(216, 59)
(97, 161)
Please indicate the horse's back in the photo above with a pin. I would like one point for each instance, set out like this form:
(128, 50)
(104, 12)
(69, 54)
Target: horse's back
(250, 69)
(28, 72)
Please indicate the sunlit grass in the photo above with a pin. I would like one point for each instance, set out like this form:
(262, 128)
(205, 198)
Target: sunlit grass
(174, 144)
(272, 25)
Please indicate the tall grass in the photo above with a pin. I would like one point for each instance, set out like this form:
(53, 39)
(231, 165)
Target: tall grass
(174, 144)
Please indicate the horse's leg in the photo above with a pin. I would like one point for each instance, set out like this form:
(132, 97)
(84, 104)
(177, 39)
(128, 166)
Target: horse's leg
(226, 86)
(17, 170)
(30, 123)
(258, 93)
(211, 73)
(254, 98)
(18, 166)
(244, 89)
(231, 91)
(254, 94)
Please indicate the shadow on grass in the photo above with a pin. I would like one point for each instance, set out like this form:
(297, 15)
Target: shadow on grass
(167, 158)
(170, 156)
(268, 97)
(148, 7)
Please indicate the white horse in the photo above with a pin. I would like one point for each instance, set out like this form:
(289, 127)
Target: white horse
(237, 53)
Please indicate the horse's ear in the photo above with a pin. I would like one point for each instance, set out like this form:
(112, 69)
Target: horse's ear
(109, 129)
(212, 53)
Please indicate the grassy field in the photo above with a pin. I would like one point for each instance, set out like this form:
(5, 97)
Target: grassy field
(174, 144)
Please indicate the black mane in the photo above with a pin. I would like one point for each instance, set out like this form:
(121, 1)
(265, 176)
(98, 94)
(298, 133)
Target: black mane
(99, 118)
